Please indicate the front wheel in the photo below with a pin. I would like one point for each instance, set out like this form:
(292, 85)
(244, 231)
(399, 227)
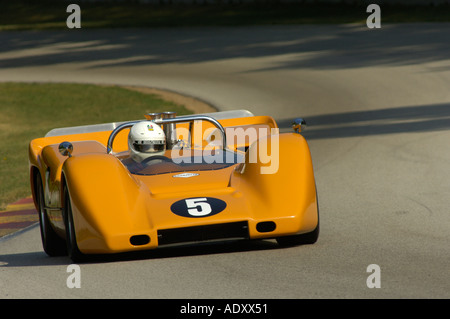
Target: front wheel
(302, 239)
(53, 244)
(72, 247)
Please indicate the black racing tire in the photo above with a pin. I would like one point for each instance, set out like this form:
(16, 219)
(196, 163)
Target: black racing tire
(71, 240)
(302, 239)
(53, 244)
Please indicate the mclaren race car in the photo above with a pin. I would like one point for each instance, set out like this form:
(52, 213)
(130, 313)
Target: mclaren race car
(170, 180)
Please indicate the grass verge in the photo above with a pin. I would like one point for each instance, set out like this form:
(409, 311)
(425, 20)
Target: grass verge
(30, 110)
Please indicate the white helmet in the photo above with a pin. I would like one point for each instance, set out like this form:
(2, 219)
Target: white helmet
(146, 139)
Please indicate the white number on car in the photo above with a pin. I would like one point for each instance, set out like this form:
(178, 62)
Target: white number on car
(198, 206)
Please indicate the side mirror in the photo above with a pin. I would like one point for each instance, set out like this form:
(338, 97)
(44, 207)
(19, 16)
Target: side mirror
(298, 125)
(66, 149)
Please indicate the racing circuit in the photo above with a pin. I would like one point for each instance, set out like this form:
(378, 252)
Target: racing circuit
(378, 107)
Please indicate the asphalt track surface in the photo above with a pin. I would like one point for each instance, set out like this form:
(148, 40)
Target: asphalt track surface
(378, 107)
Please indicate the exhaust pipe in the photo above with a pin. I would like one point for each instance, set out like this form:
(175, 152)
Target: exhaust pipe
(170, 129)
(153, 116)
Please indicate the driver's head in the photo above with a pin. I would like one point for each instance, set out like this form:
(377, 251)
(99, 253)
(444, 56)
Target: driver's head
(146, 139)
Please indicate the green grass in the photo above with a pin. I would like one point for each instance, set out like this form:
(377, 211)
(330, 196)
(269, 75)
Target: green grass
(30, 110)
(51, 14)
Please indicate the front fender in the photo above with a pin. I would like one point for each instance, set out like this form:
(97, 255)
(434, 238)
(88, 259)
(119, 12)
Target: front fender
(106, 201)
(283, 189)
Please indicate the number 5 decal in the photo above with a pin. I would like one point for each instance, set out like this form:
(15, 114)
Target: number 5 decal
(198, 206)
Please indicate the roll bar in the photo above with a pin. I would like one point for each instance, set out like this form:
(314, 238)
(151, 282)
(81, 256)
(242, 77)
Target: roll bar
(181, 119)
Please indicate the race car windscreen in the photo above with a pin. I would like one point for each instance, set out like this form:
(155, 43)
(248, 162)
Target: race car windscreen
(195, 160)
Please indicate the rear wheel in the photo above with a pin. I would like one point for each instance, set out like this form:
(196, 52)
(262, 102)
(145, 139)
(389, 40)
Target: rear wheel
(53, 244)
(71, 241)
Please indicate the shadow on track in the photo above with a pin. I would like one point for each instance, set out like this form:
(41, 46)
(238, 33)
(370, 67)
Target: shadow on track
(410, 119)
(311, 46)
(39, 258)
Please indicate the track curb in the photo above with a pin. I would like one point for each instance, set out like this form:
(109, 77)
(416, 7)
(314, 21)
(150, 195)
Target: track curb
(17, 216)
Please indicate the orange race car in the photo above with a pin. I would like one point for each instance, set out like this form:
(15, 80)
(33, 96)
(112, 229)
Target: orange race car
(167, 180)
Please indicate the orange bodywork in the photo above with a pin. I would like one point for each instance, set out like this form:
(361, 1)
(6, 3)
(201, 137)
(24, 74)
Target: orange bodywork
(111, 205)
